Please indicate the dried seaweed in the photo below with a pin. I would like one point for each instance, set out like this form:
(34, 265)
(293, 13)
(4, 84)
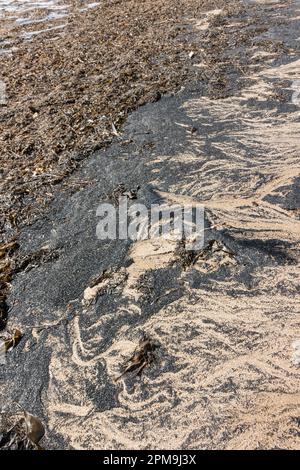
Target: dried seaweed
(69, 97)
(34, 428)
(185, 257)
(24, 434)
(188, 258)
(8, 248)
(121, 191)
(11, 340)
(142, 357)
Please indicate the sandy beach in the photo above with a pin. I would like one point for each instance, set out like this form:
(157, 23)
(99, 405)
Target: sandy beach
(193, 102)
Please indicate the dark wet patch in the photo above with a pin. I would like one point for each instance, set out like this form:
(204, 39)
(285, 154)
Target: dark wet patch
(101, 390)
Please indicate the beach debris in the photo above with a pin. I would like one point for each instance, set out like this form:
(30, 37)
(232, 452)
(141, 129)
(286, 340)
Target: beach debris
(296, 352)
(121, 191)
(12, 263)
(156, 96)
(22, 433)
(34, 428)
(35, 259)
(13, 339)
(191, 54)
(142, 357)
(8, 342)
(8, 248)
(188, 258)
(185, 257)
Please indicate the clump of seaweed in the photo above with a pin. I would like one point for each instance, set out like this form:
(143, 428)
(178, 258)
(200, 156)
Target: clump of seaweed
(121, 191)
(9, 341)
(80, 89)
(188, 258)
(24, 434)
(142, 357)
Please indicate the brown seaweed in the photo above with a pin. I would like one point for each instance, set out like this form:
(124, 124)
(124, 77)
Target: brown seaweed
(142, 357)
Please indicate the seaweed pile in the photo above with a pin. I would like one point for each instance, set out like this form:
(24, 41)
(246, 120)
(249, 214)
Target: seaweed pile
(67, 97)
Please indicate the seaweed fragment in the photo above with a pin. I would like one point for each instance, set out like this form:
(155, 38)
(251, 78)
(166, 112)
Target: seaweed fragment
(121, 191)
(24, 434)
(34, 428)
(142, 357)
(12, 339)
(185, 257)
(8, 342)
(188, 258)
